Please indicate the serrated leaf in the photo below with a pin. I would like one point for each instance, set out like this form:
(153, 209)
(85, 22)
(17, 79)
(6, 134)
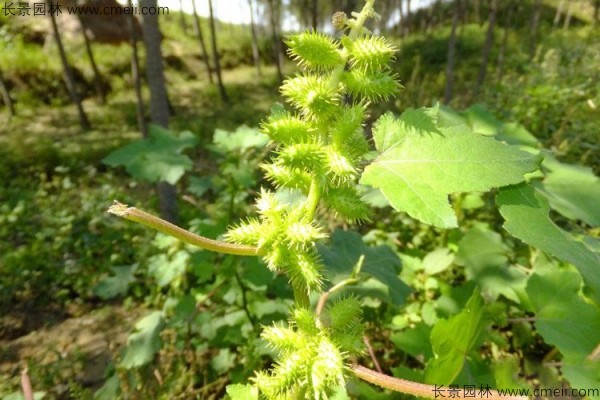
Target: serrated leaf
(380, 262)
(390, 130)
(242, 392)
(572, 190)
(144, 342)
(117, 285)
(486, 262)
(527, 219)
(563, 318)
(420, 170)
(452, 340)
(157, 158)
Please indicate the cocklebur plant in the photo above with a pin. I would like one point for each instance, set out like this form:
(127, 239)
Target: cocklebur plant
(320, 146)
(321, 154)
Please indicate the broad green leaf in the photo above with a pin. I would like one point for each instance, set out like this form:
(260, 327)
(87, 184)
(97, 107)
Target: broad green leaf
(109, 390)
(485, 259)
(117, 285)
(242, 392)
(452, 340)
(572, 190)
(585, 376)
(482, 121)
(514, 133)
(414, 341)
(526, 216)
(169, 270)
(380, 262)
(563, 318)
(223, 361)
(449, 117)
(438, 260)
(424, 166)
(242, 139)
(199, 185)
(157, 158)
(391, 129)
(144, 342)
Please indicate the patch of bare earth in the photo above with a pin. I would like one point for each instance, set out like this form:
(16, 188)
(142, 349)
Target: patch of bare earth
(79, 348)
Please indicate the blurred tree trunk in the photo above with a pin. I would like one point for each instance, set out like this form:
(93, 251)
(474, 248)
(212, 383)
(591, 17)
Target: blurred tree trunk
(489, 41)
(6, 97)
(402, 21)
(502, 51)
(182, 21)
(159, 105)
(68, 76)
(349, 6)
(275, 28)
(477, 12)
(314, 14)
(216, 57)
(97, 76)
(204, 53)
(255, 48)
(569, 15)
(558, 15)
(135, 74)
(408, 19)
(430, 15)
(535, 21)
(451, 52)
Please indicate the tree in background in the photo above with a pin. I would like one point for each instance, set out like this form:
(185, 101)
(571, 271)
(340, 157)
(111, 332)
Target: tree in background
(216, 58)
(558, 15)
(451, 52)
(135, 73)
(489, 42)
(569, 15)
(84, 122)
(408, 19)
(255, 49)
(535, 21)
(90, 54)
(6, 97)
(204, 53)
(159, 105)
(182, 20)
(502, 52)
(275, 19)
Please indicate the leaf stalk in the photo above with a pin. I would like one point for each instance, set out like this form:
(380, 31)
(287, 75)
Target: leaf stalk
(149, 220)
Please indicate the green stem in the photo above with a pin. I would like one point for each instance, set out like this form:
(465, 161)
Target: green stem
(142, 217)
(354, 32)
(300, 296)
(314, 194)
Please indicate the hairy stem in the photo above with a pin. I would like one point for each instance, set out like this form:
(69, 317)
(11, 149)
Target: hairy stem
(142, 217)
(421, 389)
(314, 194)
(300, 295)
